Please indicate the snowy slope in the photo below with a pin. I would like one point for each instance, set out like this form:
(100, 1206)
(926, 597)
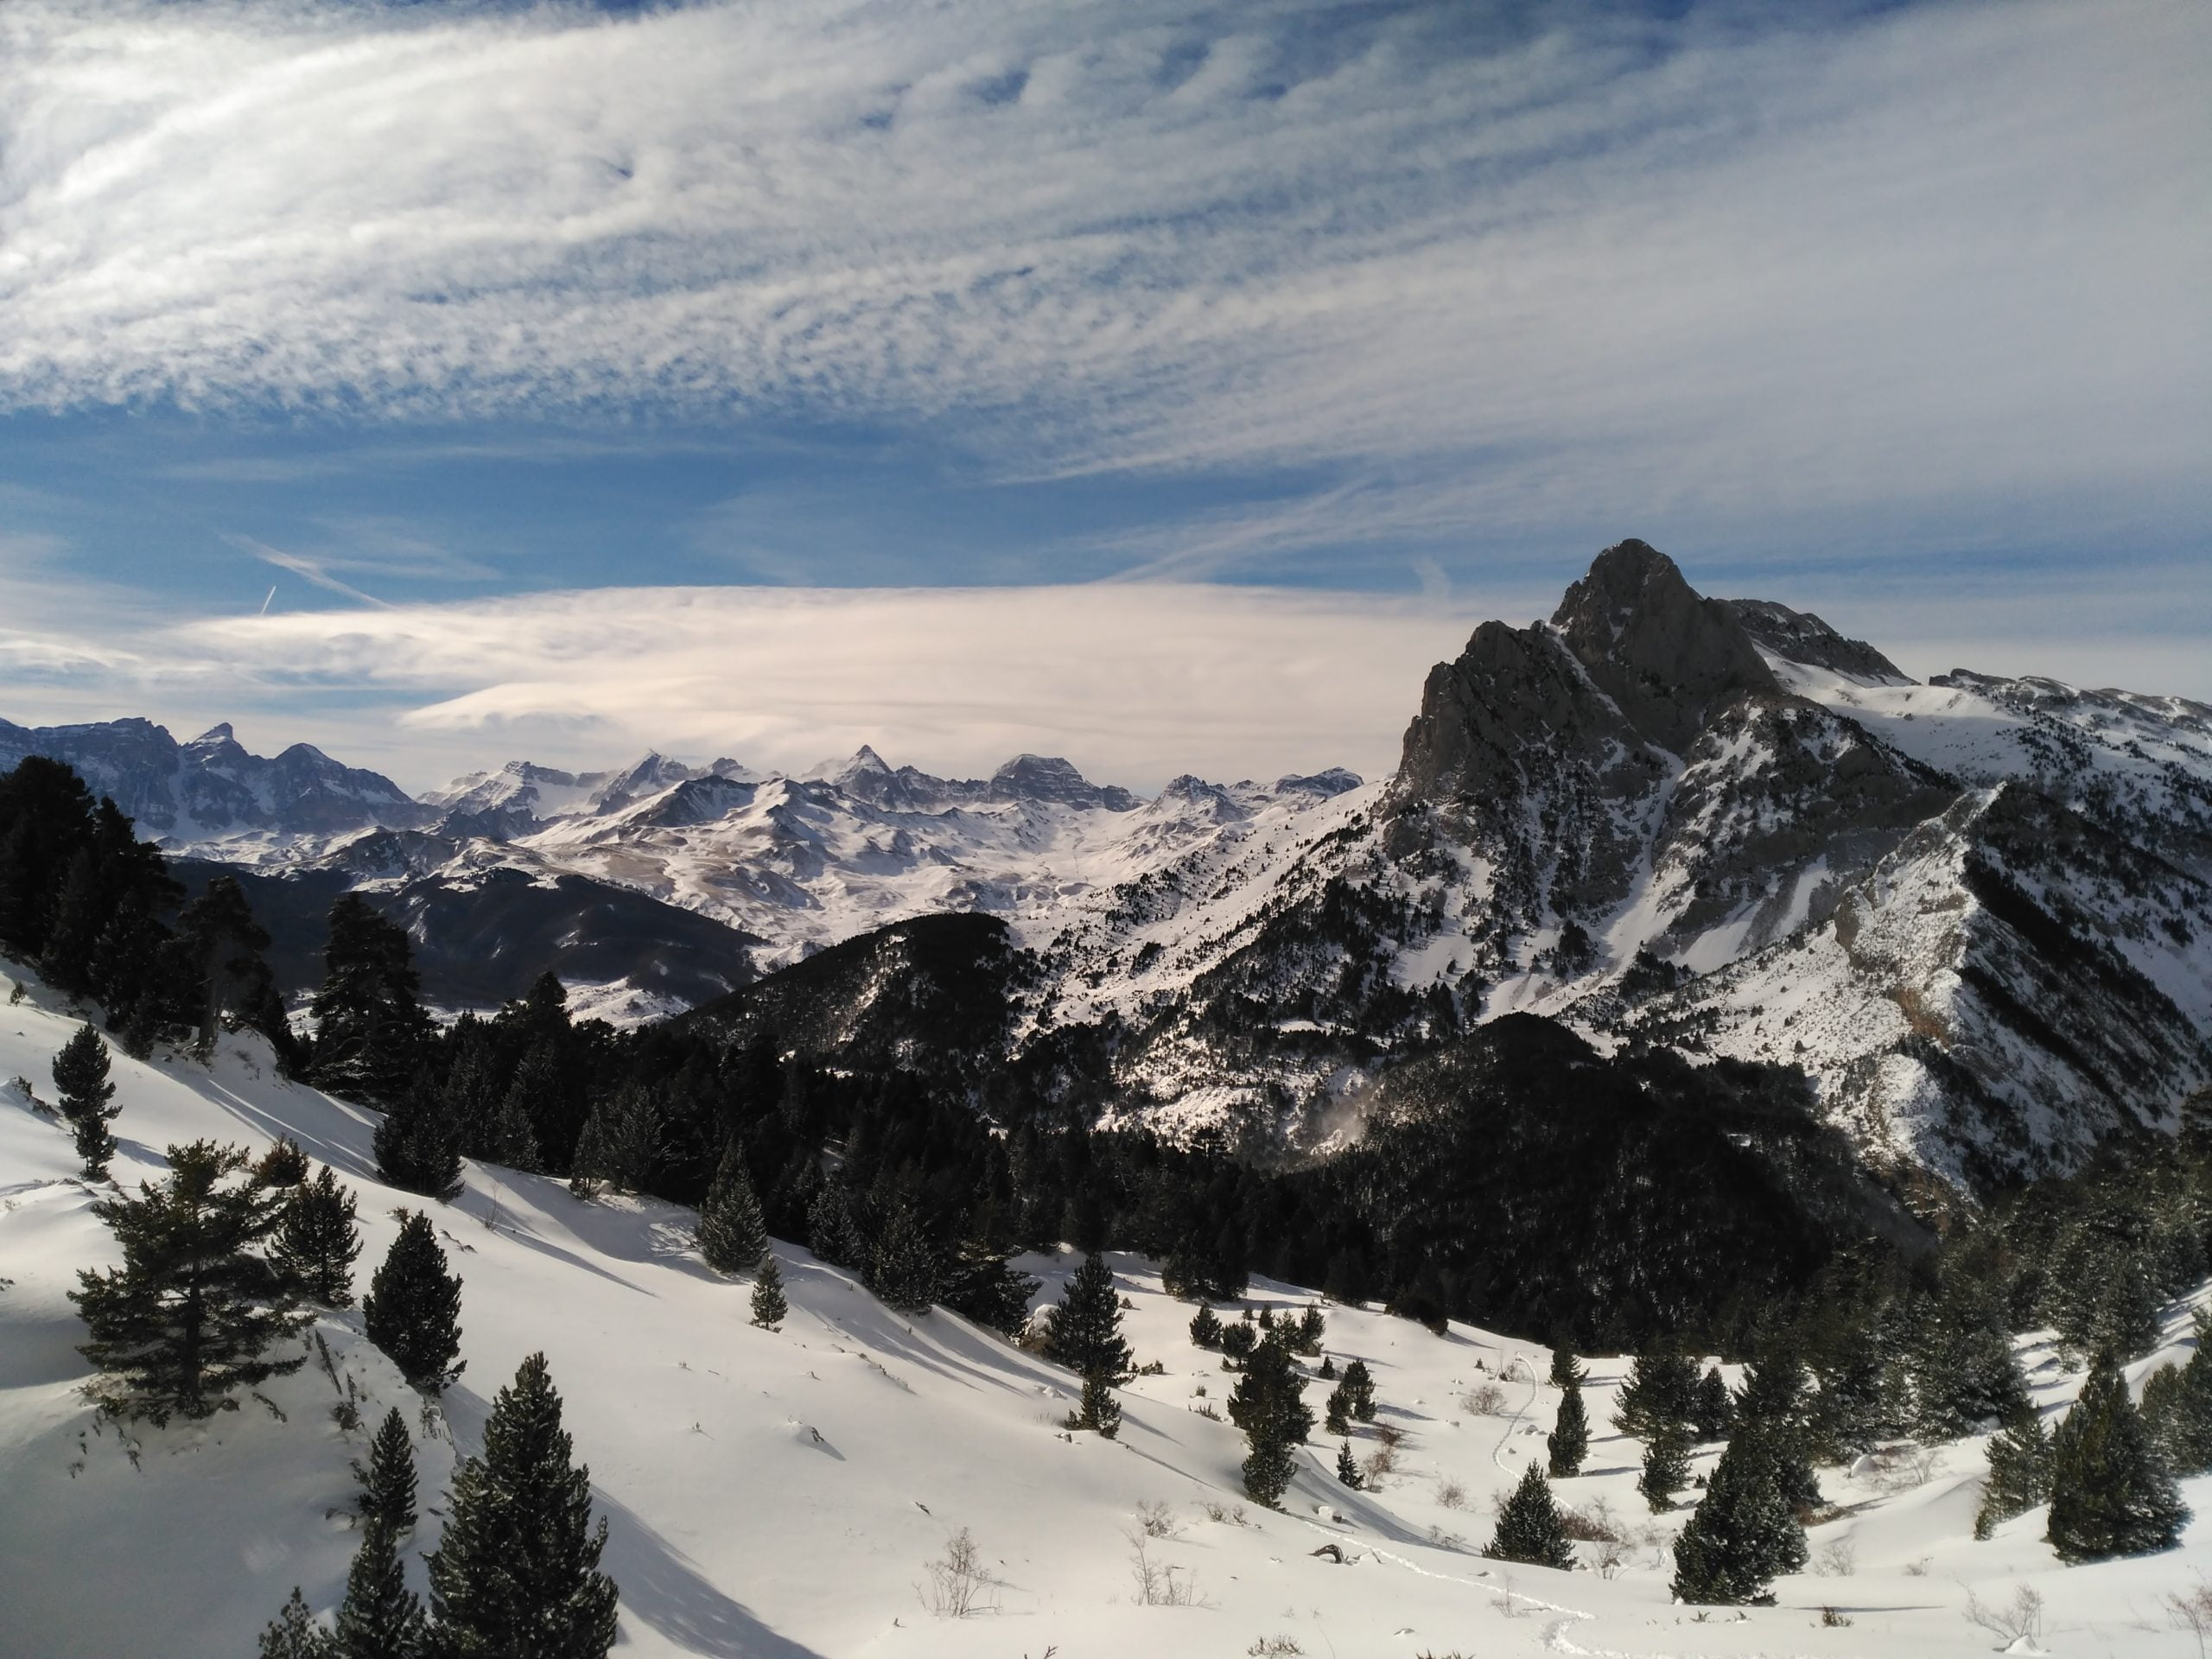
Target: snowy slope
(774, 1495)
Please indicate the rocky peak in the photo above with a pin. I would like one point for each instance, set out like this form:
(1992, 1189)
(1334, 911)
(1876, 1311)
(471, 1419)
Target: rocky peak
(1662, 652)
(1800, 637)
(1049, 778)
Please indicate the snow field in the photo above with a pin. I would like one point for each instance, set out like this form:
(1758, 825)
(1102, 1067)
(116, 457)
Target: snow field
(776, 1495)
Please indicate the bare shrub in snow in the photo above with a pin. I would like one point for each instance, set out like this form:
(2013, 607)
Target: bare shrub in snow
(1595, 1524)
(1226, 1515)
(1486, 1400)
(2022, 1616)
(1382, 1460)
(960, 1585)
(1837, 1559)
(1452, 1494)
(2191, 1610)
(1443, 1540)
(1156, 1583)
(1158, 1520)
(1275, 1647)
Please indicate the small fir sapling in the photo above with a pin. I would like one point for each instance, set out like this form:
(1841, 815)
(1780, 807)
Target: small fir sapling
(1359, 1390)
(1205, 1328)
(293, 1634)
(1659, 1388)
(80, 1070)
(2019, 1472)
(1568, 1443)
(904, 1272)
(733, 1237)
(413, 1308)
(1336, 1413)
(768, 1304)
(380, 1617)
(317, 1241)
(1348, 1467)
(283, 1165)
(1312, 1327)
(1666, 1465)
(1099, 1410)
(1082, 1331)
(387, 1478)
(1328, 1371)
(1238, 1339)
(1713, 1411)
(1529, 1528)
(1742, 1535)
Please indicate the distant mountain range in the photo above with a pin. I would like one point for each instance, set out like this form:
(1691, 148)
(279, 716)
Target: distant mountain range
(1978, 910)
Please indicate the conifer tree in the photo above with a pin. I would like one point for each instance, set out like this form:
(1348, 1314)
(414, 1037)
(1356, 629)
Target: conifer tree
(284, 1164)
(733, 1236)
(621, 1143)
(1336, 1413)
(1099, 1410)
(293, 1634)
(2110, 1494)
(1205, 1328)
(832, 1231)
(768, 1304)
(1328, 1371)
(1348, 1467)
(1713, 1411)
(1360, 1391)
(317, 1241)
(388, 1478)
(1267, 1405)
(1238, 1339)
(194, 1311)
(1569, 1441)
(2177, 1407)
(417, 1146)
(1742, 1535)
(1666, 1465)
(2019, 1472)
(413, 1308)
(1659, 1388)
(904, 1270)
(1083, 1330)
(370, 1030)
(220, 945)
(1774, 1402)
(517, 1570)
(1312, 1327)
(86, 1097)
(380, 1617)
(1567, 1371)
(1529, 1529)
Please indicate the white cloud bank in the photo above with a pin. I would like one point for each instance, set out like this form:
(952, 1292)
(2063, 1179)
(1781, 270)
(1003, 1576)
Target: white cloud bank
(1948, 259)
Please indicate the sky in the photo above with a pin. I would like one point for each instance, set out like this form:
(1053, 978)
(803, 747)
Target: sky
(1162, 386)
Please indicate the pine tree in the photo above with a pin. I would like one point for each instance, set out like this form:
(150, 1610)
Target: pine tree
(1312, 1327)
(221, 943)
(1336, 1413)
(516, 1571)
(418, 1146)
(1569, 1441)
(1205, 1328)
(80, 1075)
(293, 1634)
(317, 1241)
(194, 1311)
(733, 1237)
(1238, 1339)
(413, 1308)
(2019, 1472)
(2110, 1495)
(1083, 1331)
(1099, 1410)
(284, 1164)
(1773, 1401)
(1666, 1465)
(1713, 1412)
(1529, 1529)
(621, 1143)
(388, 1478)
(903, 1272)
(2177, 1407)
(1360, 1391)
(370, 1030)
(380, 1617)
(832, 1231)
(1965, 1376)
(1742, 1535)
(768, 1304)
(1268, 1407)
(1348, 1467)
(1567, 1371)
(1659, 1388)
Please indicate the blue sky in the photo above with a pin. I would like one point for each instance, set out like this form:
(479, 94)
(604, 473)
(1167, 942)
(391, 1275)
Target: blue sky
(1316, 332)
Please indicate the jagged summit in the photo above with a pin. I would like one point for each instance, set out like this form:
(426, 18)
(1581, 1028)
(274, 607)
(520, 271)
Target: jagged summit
(1791, 639)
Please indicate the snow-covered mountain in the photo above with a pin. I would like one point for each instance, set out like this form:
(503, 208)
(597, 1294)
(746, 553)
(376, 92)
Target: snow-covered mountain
(1977, 911)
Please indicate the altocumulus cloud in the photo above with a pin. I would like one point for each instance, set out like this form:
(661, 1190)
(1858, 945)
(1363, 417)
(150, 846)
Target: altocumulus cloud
(1714, 268)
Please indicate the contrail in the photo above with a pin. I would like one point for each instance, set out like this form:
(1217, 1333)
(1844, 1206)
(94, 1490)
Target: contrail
(264, 611)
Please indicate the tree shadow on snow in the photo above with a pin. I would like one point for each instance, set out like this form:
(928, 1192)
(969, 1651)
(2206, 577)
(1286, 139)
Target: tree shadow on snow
(662, 1588)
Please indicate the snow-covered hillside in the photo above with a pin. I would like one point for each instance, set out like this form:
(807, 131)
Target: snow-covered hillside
(774, 1495)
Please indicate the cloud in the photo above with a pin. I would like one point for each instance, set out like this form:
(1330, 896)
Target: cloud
(1949, 258)
(1134, 683)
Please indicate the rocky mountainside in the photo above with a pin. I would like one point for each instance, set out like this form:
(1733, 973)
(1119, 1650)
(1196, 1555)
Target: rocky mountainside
(1976, 911)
